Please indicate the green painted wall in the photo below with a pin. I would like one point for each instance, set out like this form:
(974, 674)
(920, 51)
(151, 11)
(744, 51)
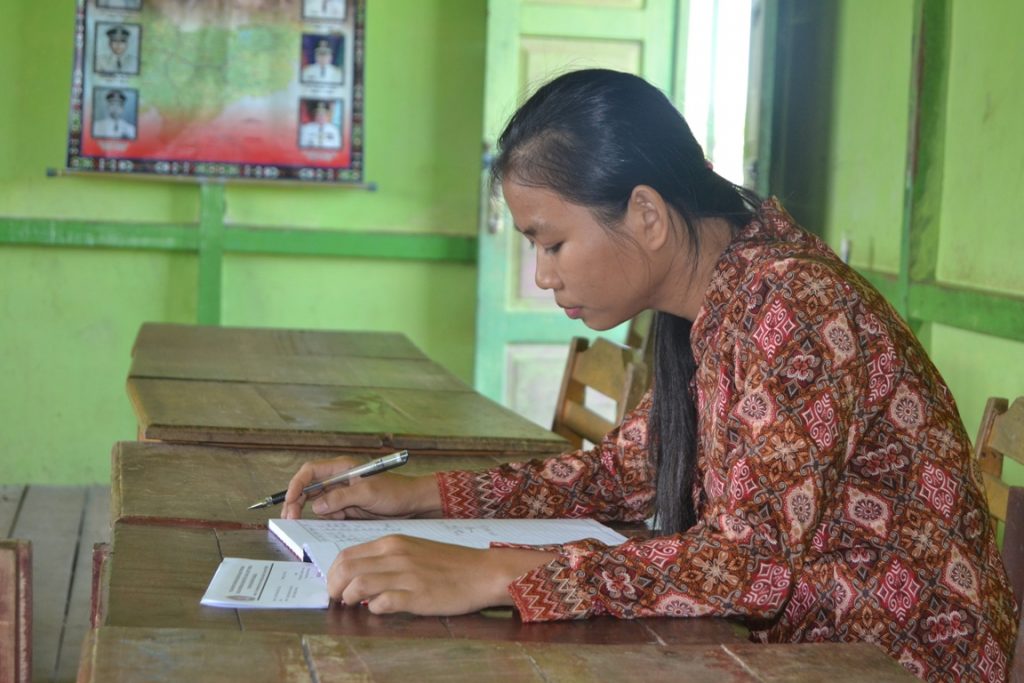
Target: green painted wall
(980, 244)
(869, 130)
(68, 316)
(980, 240)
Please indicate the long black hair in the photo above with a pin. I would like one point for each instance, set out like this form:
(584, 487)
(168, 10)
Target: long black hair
(592, 136)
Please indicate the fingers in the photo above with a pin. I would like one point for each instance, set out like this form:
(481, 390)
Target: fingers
(310, 472)
(364, 571)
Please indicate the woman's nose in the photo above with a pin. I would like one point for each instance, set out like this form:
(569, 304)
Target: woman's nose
(545, 276)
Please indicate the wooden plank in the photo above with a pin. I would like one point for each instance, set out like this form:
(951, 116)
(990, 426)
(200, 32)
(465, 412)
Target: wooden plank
(504, 624)
(50, 516)
(10, 503)
(95, 529)
(225, 365)
(638, 664)
(160, 483)
(100, 580)
(116, 655)
(816, 662)
(157, 576)
(333, 417)
(675, 631)
(123, 655)
(155, 339)
(15, 611)
(386, 660)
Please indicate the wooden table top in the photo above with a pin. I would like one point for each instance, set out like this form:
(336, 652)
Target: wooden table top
(128, 655)
(192, 485)
(157, 340)
(370, 391)
(155, 576)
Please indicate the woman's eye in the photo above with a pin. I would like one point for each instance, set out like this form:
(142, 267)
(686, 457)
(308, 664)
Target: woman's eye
(553, 249)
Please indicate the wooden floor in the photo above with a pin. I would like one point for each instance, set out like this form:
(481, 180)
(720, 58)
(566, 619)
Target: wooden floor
(63, 523)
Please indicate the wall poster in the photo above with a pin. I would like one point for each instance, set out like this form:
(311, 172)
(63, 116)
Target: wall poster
(253, 89)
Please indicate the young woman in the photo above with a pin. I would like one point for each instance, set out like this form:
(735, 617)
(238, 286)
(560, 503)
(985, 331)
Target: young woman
(805, 462)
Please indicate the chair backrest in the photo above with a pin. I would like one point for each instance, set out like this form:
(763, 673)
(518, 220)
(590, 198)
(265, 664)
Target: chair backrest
(15, 611)
(614, 370)
(640, 335)
(1000, 436)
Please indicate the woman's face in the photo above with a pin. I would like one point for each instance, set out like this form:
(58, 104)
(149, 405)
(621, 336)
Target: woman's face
(595, 277)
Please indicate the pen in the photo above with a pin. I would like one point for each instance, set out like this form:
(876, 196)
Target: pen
(365, 470)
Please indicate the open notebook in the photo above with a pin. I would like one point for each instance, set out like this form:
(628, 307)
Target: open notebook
(265, 584)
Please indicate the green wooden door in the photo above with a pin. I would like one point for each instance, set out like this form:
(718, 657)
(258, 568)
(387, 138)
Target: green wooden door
(521, 336)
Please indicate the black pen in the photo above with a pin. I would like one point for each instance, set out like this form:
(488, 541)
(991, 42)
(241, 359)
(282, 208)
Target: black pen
(365, 470)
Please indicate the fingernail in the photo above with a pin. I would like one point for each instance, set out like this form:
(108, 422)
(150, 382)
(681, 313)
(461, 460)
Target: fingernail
(320, 506)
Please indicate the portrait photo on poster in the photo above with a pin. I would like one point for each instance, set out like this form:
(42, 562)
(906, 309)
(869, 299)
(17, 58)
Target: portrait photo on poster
(119, 4)
(324, 10)
(117, 48)
(115, 113)
(322, 59)
(320, 124)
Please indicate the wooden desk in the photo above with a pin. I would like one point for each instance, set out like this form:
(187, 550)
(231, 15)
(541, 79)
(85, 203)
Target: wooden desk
(156, 575)
(366, 391)
(191, 485)
(120, 655)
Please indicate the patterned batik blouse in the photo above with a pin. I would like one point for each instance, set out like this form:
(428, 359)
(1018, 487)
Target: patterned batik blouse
(835, 495)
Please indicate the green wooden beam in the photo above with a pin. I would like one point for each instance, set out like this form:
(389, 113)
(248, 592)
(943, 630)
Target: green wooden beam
(211, 251)
(337, 243)
(65, 233)
(922, 197)
(243, 239)
(1000, 315)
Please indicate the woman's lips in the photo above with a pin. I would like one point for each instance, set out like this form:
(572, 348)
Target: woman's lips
(574, 312)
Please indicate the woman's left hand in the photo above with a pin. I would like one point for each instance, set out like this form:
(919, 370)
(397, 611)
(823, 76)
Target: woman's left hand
(405, 574)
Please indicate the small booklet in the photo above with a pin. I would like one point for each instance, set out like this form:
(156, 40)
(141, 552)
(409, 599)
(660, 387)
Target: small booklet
(320, 540)
(266, 584)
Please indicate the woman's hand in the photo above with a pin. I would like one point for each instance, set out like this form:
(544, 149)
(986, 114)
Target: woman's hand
(379, 496)
(405, 574)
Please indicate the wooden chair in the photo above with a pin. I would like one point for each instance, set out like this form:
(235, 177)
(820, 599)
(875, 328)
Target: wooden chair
(640, 335)
(15, 611)
(1001, 435)
(614, 370)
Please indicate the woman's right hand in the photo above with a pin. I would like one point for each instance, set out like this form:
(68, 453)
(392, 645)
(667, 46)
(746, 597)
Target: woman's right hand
(379, 496)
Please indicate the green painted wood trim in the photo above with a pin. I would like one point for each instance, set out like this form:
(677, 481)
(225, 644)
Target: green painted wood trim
(244, 239)
(602, 23)
(922, 196)
(1000, 315)
(211, 251)
(766, 94)
(379, 245)
(936, 29)
(64, 233)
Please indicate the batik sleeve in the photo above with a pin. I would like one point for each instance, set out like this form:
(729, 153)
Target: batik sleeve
(612, 481)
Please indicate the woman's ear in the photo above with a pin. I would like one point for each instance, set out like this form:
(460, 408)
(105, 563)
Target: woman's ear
(647, 217)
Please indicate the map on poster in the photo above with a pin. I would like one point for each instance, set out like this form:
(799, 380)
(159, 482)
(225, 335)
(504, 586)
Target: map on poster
(248, 89)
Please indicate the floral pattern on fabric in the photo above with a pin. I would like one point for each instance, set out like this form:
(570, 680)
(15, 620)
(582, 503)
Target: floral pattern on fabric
(834, 486)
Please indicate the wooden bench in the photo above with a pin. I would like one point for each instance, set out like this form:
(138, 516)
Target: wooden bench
(15, 611)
